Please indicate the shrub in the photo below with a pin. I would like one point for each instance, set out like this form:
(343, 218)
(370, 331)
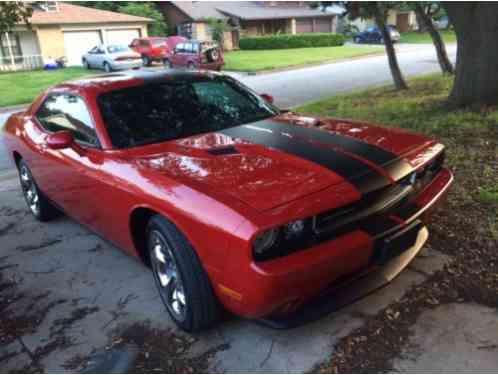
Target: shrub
(281, 41)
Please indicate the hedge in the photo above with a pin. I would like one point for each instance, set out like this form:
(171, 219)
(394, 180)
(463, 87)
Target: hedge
(280, 41)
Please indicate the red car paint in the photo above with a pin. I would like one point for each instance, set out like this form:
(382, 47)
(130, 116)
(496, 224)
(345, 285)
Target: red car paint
(220, 210)
(156, 48)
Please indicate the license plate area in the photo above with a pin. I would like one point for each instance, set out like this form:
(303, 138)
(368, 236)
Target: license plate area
(395, 244)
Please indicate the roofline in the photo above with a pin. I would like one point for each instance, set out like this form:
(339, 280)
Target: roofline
(84, 23)
(181, 10)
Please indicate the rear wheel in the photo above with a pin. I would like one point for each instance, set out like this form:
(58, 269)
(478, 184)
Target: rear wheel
(357, 40)
(167, 64)
(38, 204)
(182, 283)
(191, 66)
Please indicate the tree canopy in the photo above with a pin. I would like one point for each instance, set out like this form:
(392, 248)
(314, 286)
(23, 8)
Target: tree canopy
(12, 13)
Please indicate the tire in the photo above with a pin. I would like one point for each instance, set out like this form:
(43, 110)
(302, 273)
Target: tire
(213, 55)
(86, 65)
(38, 204)
(357, 40)
(180, 277)
(146, 60)
(107, 67)
(167, 64)
(190, 66)
(381, 40)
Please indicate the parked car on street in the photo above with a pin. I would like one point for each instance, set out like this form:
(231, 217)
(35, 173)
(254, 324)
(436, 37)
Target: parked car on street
(194, 54)
(232, 202)
(111, 57)
(442, 23)
(373, 35)
(155, 48)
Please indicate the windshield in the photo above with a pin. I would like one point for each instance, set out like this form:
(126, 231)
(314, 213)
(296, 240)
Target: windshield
(158, 112)
(117, 48)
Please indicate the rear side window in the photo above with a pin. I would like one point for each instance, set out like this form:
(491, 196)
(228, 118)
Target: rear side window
(144, 43)
(68, 112)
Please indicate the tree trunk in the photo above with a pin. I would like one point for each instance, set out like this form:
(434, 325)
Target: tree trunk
(442, 56)
(476, 74)
(420, 22)
(399, 81)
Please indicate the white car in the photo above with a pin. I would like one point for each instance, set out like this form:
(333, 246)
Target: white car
(111, 57)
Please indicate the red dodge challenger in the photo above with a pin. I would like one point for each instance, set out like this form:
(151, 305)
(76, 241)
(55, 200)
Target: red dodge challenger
(232, 202)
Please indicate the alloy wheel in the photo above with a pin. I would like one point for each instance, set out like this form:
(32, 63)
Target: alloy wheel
(29, 190)
(167, 276)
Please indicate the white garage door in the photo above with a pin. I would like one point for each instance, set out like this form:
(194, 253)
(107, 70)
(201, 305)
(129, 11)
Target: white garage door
(77, 43)
(124, 37)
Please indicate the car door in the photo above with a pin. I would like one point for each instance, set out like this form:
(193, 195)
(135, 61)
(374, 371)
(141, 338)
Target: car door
(177, 55)
(90, 56)
(70, 176)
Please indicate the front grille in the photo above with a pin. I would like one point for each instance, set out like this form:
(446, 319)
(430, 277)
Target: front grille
(380, 202)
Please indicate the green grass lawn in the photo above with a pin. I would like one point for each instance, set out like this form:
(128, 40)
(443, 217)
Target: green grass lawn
(415, 37)
(253, 61)
(23, 87)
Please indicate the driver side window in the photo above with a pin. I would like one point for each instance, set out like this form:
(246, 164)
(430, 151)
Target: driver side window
(68, 112)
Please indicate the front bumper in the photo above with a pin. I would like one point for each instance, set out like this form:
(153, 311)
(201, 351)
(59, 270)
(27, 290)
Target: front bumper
(350, 291)
(327, 276)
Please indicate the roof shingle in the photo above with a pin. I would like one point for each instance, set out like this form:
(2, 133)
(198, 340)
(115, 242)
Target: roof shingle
(75, 14)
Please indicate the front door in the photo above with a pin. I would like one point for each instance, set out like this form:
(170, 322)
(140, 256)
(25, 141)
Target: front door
(69, 177)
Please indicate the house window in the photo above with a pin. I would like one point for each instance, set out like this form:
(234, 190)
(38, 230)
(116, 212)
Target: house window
(49, 6)
(15, 47)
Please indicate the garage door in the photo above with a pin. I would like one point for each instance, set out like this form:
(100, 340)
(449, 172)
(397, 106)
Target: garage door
(124, 36)
(322, 25)
(304, 25)
(77, 43)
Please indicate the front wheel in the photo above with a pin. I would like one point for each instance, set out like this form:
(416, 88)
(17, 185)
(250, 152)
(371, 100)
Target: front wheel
(357, 40)
(38, 204)
(167, 64)
(86, 65)
(107, 67)
(146, 60)
(182, 282)
(190, 66)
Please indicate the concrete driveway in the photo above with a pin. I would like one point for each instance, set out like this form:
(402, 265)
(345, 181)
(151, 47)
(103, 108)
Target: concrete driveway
(77, 290)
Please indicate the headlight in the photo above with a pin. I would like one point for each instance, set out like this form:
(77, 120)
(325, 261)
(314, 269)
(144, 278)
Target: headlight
(265, 241)
(281, 241)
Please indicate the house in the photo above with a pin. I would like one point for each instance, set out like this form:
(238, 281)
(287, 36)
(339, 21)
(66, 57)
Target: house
(63, 29)
(189, 18)
(403, 20)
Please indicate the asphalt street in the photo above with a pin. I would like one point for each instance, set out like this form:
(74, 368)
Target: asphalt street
(294, 87)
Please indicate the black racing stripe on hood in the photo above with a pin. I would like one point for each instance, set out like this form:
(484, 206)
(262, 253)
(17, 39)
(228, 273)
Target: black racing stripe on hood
(361, 175)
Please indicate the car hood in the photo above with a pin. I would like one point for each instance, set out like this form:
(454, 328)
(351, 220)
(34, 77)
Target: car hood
(270, 163)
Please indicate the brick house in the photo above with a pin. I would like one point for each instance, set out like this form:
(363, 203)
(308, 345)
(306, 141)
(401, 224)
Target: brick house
(246, 18)
(64, 29)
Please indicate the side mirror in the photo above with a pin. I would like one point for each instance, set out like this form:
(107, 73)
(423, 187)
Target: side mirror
(268, 98)
(60, 140)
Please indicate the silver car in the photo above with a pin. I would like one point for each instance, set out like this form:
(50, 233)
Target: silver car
(111, 57)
